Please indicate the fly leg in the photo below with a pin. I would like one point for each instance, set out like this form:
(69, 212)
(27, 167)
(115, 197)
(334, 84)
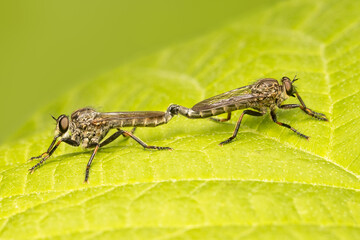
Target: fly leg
(125, 136)
(308, 111)
(130, 134)
(45, 155)
(97, 146)
(115, 136)
(111, 139)
(274, 118)
(91, 159)
(138, 140)
(249, 112)
(49, 152)
(303, 107)
(222, 119)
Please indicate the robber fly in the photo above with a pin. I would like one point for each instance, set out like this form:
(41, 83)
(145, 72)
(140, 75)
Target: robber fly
(264, 94)
(88, 127)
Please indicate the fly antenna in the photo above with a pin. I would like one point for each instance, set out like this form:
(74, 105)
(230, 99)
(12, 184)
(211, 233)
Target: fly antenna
(53, 117)
(295, 79)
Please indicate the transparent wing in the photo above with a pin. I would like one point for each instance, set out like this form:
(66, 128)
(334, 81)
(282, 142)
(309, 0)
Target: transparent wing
(238, 95)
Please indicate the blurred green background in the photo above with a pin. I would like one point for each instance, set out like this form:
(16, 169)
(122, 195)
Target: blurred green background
(47, 47)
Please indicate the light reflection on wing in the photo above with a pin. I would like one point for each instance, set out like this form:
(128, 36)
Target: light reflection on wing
(238, 95)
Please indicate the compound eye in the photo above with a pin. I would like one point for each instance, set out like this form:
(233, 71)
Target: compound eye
(288, 86)
(63, 124)
(285, 79)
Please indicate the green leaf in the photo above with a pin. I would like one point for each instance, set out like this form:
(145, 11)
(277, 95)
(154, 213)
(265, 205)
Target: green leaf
(268, 184)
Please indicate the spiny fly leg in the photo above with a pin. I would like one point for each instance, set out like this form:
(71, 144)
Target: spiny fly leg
(158, 148)
(274, 118)
(314, 114)
(112, 138)
(126, 136)
(31, 170)
(105, 142)
(46, 156)
(308, 111)
(115, 136)
(222, 119)
(249, 112)
(40, 156)
(47, 152)
(87, 171)
(138, 140)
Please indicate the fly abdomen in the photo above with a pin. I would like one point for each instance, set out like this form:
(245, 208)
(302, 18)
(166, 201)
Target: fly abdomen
(151, 121)
(217, 111)
(187, 112)
(154, 121)
(133, 119)
(240, 106)
(190, 113)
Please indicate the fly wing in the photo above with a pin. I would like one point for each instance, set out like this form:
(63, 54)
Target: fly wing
(238, 95)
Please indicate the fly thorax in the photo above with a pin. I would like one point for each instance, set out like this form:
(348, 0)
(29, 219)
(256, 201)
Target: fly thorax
(94, 135)
(282, 97)
(67, 134)
(74, 132)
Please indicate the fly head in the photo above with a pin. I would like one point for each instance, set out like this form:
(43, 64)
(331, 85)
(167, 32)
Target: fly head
(288, 86)
(62, 125)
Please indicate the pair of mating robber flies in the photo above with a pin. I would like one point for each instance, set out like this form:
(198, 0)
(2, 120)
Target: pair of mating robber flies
(89, 127)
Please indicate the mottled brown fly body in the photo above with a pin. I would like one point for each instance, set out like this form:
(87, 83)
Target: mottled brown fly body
(264, 94)
(89, 127)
